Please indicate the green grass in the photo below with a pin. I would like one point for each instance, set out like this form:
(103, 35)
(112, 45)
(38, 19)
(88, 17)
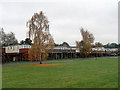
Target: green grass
(101, 73)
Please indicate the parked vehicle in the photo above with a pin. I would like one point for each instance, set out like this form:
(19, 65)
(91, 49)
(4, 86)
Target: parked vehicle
(113, 54)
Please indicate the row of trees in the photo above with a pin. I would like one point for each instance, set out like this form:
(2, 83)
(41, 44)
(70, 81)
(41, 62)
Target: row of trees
(10, 39)
(63, 44)
(109, 45)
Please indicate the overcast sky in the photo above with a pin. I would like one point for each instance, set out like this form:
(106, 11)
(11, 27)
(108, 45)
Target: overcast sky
(100, 17)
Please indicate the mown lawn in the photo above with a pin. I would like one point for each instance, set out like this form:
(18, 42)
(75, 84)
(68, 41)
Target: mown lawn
(101, 73)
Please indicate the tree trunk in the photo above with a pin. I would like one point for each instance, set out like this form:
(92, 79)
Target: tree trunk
(40, 59)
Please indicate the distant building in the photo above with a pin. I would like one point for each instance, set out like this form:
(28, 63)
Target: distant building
(20, 52)
(16, 52)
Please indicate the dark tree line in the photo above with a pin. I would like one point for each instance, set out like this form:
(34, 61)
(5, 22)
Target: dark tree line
(63, 44)
(111, 45)
(26, 41)
(108, 45)
(7, 39)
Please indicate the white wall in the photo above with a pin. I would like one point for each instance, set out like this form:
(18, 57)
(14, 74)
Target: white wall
(15, 48)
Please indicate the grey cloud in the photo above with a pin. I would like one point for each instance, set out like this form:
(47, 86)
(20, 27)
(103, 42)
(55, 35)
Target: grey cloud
(66, 18)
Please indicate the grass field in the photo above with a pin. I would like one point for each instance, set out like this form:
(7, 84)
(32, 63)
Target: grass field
(101, 73)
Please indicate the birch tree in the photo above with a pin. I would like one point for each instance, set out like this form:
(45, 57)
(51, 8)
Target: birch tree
(85, 46)
(43, 42)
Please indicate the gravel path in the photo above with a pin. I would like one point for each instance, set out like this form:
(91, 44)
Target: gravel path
(64, 60)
